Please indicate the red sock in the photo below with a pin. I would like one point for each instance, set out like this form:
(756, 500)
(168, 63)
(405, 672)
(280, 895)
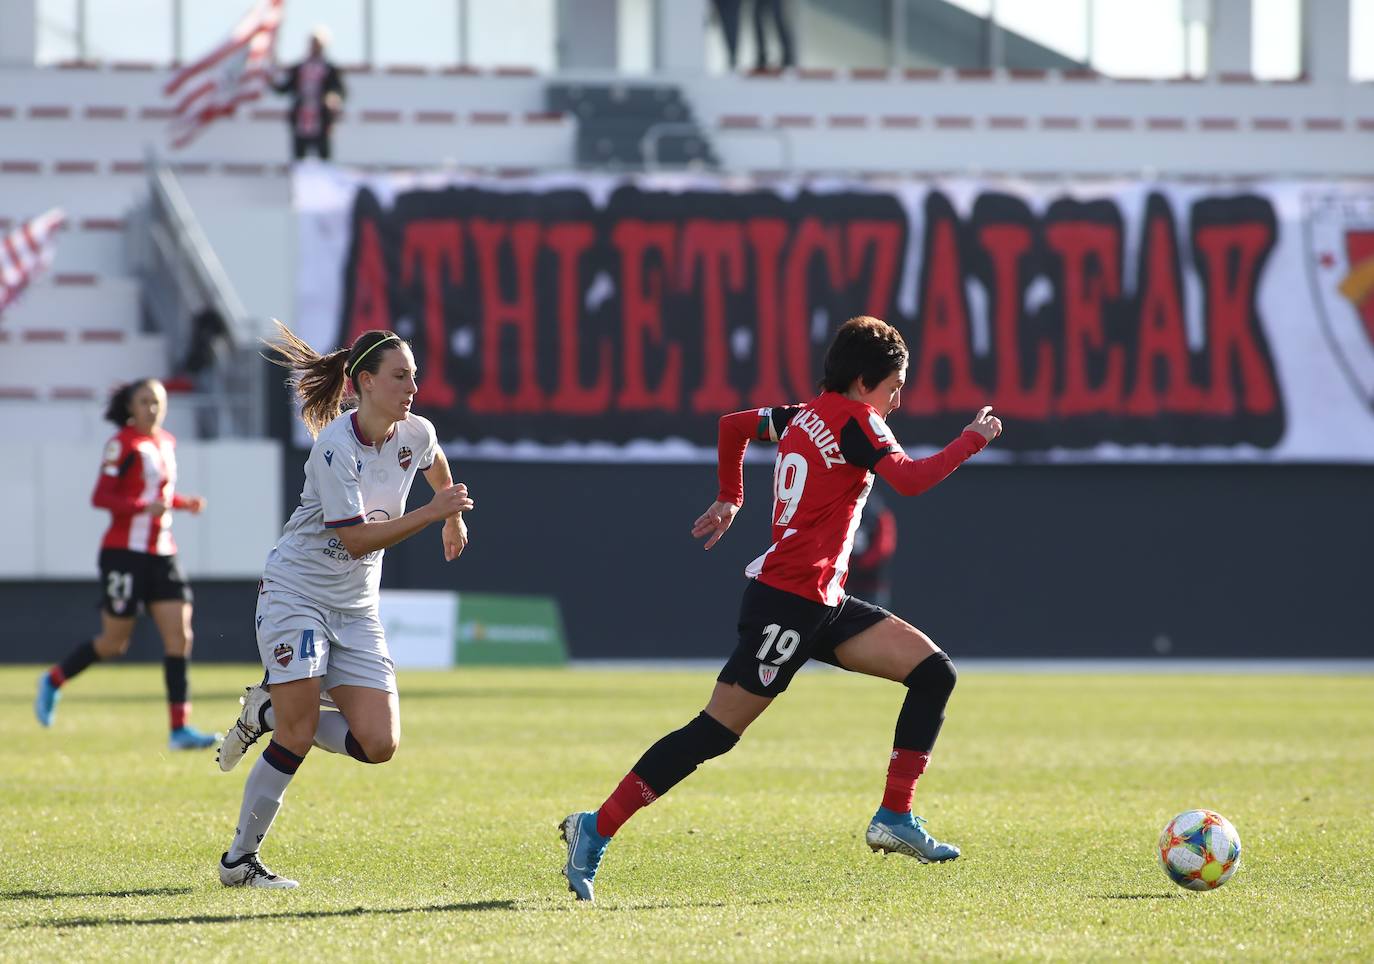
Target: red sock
(56, 677)
(621, 805)
(902, 773)
(181, 712)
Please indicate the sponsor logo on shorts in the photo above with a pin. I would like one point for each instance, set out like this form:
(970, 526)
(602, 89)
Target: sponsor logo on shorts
(403, 456)
(767, 674)
(283, 653)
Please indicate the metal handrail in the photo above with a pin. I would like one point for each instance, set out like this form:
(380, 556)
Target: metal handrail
(183, 276)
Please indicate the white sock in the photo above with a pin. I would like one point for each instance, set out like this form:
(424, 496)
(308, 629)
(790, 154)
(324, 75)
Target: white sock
(332, 732)
(262, 796)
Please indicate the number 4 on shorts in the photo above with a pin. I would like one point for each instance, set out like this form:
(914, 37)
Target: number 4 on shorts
(307, 644)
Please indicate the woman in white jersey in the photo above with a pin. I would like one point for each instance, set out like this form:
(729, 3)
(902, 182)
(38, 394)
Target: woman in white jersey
(317, 625)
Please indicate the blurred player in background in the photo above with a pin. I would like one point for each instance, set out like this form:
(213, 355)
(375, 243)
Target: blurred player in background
(875, 543)
(318, 627)
(795, 607)
(317, 93)
(138, 562)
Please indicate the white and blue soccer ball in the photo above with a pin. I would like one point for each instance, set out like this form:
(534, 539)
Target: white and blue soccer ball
(1199, 850)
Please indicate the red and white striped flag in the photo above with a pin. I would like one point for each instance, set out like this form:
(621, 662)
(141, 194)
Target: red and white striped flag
(26, 251)
(233, 73)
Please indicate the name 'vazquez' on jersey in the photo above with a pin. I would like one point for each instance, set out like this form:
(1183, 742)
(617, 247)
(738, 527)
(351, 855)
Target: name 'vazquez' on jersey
(347, 481)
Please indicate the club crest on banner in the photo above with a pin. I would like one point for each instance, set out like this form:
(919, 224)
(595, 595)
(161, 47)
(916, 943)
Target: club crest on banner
(1340, 264)
(403, 457)
(283, 653)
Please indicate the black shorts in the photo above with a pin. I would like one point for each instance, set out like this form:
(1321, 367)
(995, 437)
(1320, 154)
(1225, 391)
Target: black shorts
(130, 580)
(779, 631)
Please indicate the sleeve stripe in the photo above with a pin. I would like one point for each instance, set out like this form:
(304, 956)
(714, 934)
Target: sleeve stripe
(344, 522)
(426, 468)
(765, 430)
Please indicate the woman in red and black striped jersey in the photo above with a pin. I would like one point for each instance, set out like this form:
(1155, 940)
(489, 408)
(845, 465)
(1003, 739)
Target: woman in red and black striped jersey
(795, 606)
(138, 563)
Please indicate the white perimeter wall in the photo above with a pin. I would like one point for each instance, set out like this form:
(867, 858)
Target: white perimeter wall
(53, 532)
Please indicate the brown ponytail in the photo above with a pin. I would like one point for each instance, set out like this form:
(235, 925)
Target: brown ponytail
(322, 382)
(317, 380)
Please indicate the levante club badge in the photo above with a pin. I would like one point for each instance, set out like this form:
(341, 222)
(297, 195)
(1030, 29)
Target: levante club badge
(1340, 264)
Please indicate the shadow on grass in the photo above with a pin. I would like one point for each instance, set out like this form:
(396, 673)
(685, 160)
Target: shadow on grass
(1136, 896)
(56, 894)
(283, 915)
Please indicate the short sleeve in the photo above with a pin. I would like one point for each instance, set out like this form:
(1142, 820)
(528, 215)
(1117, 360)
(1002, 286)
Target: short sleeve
(335, 471)
(865, 441)
(114, 459)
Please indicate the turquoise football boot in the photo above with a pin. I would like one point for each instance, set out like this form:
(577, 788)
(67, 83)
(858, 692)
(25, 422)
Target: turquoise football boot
(585, 849)
(903, 833)
(189, 738)
(45, 703)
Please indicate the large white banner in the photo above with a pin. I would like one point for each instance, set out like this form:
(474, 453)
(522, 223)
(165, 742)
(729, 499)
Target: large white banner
(597, 317)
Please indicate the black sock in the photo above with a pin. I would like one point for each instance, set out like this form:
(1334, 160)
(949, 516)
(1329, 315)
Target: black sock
(174, 675)
(923, 711)
(76, 661)
(673, 758)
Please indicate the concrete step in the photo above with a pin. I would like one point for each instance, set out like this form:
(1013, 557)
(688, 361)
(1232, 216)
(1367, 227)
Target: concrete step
(80, 304)
(103, 195)
(91, 252)
(74, 417)
(41, 370)
(42, 418)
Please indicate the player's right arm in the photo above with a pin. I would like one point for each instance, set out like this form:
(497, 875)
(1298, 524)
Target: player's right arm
(734, 432)
(118, 459)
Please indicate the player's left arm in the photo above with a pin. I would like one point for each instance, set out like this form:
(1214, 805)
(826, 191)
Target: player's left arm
(873, 447)
(194, 504)
(455, 532)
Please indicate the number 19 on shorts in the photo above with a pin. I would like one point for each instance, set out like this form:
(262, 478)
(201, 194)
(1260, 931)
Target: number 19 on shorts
(786, 641)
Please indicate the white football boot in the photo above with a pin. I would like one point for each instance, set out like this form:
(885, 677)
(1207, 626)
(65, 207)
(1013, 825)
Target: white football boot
(248, 871)
(247, 729)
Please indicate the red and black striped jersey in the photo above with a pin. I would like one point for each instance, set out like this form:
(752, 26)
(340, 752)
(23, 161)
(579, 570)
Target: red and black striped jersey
(136, 470)
(828, 452)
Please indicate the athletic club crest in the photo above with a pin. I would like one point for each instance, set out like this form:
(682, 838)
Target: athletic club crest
(283, 653)
(1340, 263)
(403, 456)
(767, 673)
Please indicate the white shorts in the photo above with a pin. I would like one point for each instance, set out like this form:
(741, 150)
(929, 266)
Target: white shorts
(298, 639)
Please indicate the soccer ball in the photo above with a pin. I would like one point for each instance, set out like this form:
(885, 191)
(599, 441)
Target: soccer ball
(1199, 850)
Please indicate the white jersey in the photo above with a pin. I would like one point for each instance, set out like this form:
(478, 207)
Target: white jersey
(347, 482)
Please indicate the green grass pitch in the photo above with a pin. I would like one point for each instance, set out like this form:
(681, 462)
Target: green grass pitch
(1055, 786)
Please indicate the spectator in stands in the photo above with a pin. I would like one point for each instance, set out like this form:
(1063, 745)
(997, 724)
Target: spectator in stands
(875, 542)
(317, 93)
(138, 562)
(727, 12)
(764, 8)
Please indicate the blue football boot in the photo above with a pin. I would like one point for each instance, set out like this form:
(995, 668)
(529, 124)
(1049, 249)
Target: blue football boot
(902, 833)
(189, 738)
(46, 701)
(585, 849)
